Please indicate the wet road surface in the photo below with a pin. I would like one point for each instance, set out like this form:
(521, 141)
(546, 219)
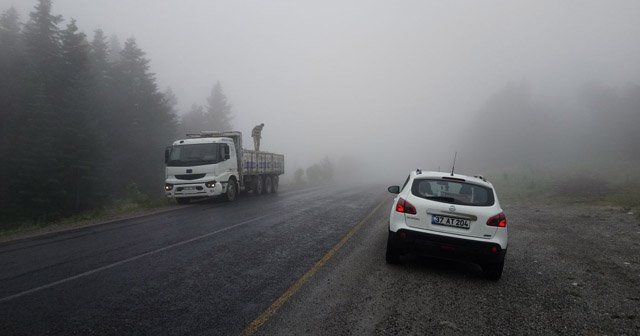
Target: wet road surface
(312, 262)
(208, 268)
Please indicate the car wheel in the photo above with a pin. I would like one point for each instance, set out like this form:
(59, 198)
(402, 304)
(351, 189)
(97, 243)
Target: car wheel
(184, 200)
(393, 253)
(493, 271)
(232, 191)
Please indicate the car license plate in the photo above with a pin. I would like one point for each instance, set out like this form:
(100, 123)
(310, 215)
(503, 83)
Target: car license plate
(450, 221)
(189, 188)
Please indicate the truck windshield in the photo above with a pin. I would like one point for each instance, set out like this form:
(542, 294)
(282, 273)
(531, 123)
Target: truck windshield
(195, 155)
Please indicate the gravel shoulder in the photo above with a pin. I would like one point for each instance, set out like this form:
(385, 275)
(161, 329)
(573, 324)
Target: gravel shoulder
(570, 269)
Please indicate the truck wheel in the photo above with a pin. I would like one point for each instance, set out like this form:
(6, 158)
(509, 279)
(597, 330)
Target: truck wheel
(268, 185)
(232, 191)
(185, 200)
(274, 186)
(258, 186)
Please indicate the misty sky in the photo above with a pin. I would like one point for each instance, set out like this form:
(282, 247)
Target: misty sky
(373, 79)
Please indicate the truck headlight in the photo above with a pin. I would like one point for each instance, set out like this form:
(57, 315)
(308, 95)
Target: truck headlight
(168, 187)
(210, 184)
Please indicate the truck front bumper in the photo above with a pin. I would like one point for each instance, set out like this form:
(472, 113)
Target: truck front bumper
(188, 190)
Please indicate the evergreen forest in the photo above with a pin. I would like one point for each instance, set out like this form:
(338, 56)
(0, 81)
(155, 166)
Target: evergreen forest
(82, 120)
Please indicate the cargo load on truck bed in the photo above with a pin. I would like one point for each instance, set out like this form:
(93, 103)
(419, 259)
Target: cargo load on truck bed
(255, 163)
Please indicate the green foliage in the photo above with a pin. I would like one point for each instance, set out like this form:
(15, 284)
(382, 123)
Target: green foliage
(81, 123)
(320, 172)
(135, 195)
(298, 176)
(193, 121)
(569, 185)
(218, 115)
(215, 116)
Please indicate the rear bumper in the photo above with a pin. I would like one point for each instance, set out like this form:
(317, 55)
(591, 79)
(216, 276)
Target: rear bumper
(427, 244)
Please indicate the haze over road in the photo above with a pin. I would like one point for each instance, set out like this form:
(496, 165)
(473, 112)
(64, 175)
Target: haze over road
(215, 267)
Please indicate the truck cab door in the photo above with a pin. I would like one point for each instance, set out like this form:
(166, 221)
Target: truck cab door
(229, 162)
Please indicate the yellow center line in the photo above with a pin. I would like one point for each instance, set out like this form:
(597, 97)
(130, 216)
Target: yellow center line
(280, 301)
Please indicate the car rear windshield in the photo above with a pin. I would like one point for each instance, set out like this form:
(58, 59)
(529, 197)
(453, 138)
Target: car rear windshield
(453, 191)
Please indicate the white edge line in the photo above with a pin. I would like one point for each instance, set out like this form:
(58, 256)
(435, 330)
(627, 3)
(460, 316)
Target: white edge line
(121, 262)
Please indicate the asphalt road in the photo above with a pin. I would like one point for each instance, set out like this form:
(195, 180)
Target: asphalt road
(312, 262)
(208, 268)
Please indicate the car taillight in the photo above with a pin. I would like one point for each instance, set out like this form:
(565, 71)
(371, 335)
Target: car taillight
(405, 207)
(499, 220)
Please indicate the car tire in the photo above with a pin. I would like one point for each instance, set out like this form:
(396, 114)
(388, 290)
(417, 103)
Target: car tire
(184, 200)
(393, 253)
(232, 191)
(493, 271)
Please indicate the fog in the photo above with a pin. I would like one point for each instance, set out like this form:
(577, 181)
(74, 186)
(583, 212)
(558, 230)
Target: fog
(390, 85)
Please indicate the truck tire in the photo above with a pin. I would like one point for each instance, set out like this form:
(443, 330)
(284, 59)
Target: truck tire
(184, 200)
(232, 190)
(274, 186)
(258, 185)
(268, 185)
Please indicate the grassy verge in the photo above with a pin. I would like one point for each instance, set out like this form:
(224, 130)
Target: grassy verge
(577, 186)
(136, 203)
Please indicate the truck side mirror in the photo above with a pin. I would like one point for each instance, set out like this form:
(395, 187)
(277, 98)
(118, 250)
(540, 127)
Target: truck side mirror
(226, 152)
(167, 154)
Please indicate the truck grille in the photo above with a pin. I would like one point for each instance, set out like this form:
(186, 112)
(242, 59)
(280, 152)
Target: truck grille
(190, 177)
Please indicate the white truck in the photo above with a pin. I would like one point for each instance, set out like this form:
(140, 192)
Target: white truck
(210, 164)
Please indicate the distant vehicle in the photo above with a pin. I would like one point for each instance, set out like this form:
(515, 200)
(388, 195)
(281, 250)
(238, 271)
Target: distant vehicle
(450, 216)
(210, 164)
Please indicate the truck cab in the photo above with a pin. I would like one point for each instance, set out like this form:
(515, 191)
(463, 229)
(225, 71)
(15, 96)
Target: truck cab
(201, 167)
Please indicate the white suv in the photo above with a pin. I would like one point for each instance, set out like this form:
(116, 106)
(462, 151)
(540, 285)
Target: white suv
(451, 216)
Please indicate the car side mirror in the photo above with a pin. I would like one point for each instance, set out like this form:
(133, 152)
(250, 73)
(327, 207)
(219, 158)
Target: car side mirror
(167, 154)
(394, 189)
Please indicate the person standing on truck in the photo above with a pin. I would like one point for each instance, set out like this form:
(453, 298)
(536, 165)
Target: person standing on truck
(256, 134)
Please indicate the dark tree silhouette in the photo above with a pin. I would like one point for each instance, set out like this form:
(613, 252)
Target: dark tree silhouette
(218, 110)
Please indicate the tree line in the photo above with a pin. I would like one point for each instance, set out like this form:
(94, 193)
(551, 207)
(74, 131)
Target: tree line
(81, 120)
(597, 127)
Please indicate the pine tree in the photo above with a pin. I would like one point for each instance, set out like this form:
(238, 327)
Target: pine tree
(11, 67)
(193, 121)
(37, 164)
(170, 100)
(115, 49)
(76, 140)
(144, 123)
(11, 86)
(218, 110)
(100, 123)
